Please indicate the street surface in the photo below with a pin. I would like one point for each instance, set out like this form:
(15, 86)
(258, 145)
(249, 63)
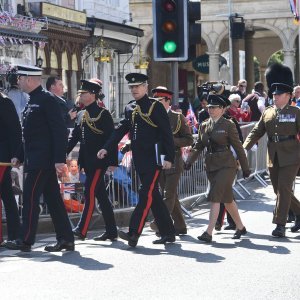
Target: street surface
(256, 267)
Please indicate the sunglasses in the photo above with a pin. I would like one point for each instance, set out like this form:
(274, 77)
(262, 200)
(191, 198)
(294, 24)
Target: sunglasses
(242, 85)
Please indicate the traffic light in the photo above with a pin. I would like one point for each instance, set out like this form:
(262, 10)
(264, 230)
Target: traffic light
(194, 9)
(237, 27)
(170, 30)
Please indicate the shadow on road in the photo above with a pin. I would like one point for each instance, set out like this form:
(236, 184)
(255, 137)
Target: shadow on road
(176, 249)
(70, 258)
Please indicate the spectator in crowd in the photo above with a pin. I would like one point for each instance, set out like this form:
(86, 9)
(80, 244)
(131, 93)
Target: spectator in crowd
(18, 97)
(296, 96)
(183, 102)
(256, 101)
(217, 135)
(56, 87)
(73, 171)
(235, 111)
(241, 88)
(203, 114)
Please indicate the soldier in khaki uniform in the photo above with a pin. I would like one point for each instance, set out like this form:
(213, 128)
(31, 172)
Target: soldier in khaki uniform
(281, 122)
(217, 134)
(169, 179)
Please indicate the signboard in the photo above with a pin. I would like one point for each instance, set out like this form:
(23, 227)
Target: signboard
(201, 63)
(66, 14)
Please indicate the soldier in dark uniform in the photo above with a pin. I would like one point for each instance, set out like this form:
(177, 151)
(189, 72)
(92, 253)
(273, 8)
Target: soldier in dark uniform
(93, 127)
(147, 122)
(169, 178)
(45, 142)
(10, 144)
(217, 135)
(281, 122)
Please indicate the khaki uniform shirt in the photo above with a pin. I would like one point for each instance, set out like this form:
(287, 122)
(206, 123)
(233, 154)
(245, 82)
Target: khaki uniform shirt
(220, 135)
(182, 138)
(283, 123)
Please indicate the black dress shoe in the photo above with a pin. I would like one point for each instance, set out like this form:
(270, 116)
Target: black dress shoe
(279, 231)
(230, 227)
(296, 226)
(60, 245)
(106, 236)
(205, 237)
(78, 234)
(132, 238)
(218, 226)
(18, 245)
(237, 235)
(165, 239)
(180, 231)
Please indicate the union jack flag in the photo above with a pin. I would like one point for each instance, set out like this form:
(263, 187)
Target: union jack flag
(67, 188)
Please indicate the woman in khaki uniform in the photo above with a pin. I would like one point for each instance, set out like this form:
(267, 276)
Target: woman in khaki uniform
(217, 134)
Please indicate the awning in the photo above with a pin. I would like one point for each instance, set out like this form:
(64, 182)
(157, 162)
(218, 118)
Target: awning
(30, 36)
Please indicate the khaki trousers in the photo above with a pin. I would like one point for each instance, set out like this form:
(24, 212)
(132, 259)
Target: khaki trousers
(282, 179)
(168, 184)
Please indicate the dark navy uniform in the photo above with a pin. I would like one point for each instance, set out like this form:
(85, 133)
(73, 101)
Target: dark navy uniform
(147, 122)
(93, 127)
(45, 143)
(10, 144)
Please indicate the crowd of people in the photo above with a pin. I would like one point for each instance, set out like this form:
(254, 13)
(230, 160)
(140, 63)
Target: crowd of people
(156, 135)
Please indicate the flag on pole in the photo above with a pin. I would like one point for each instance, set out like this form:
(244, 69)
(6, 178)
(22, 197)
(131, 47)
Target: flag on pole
(293, 6)
(192, 120)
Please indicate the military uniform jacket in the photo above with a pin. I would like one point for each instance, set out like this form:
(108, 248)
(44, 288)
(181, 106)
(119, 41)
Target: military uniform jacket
(182, 138)
(44, 131)
(145, 129)
(284, 123)
(93, 127)
(10, 130)
(219, 136)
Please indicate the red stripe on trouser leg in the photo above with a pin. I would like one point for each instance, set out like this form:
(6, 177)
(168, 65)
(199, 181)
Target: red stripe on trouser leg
(92, 201)
(31, 205)
(149, 202)
(2, 171)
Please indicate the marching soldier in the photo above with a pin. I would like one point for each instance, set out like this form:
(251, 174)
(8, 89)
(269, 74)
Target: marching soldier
(169, 178)
(217, 135)
(281, 122)
(93, 127)
(147, 122)
(10, 144)
(45, 141)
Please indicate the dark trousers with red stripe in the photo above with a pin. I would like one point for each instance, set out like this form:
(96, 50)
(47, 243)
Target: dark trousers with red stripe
(221, 216)
(95, 187)
(38, 182)
(10, 205)
(150, 197)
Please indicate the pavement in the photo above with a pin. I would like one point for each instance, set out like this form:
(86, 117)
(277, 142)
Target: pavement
(258, 266)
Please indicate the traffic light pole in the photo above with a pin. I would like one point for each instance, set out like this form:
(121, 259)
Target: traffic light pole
(175, 89)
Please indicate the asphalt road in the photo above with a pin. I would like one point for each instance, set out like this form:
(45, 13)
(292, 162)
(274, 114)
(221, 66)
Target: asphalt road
(256, 267)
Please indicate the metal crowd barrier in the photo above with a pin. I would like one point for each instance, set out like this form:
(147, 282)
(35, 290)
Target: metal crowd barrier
(122, 185)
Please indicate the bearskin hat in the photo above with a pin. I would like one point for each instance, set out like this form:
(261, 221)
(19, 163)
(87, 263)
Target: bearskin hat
(278, 73)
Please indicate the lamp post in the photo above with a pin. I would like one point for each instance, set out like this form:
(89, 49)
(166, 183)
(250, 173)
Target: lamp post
(230, 42)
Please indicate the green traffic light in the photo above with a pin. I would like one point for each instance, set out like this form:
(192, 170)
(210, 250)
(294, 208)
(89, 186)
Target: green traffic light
(170, 47)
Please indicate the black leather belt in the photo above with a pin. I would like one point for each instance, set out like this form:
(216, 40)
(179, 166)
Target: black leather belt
(281, 138)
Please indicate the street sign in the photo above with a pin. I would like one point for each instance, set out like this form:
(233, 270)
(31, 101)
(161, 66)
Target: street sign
(201, 63)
